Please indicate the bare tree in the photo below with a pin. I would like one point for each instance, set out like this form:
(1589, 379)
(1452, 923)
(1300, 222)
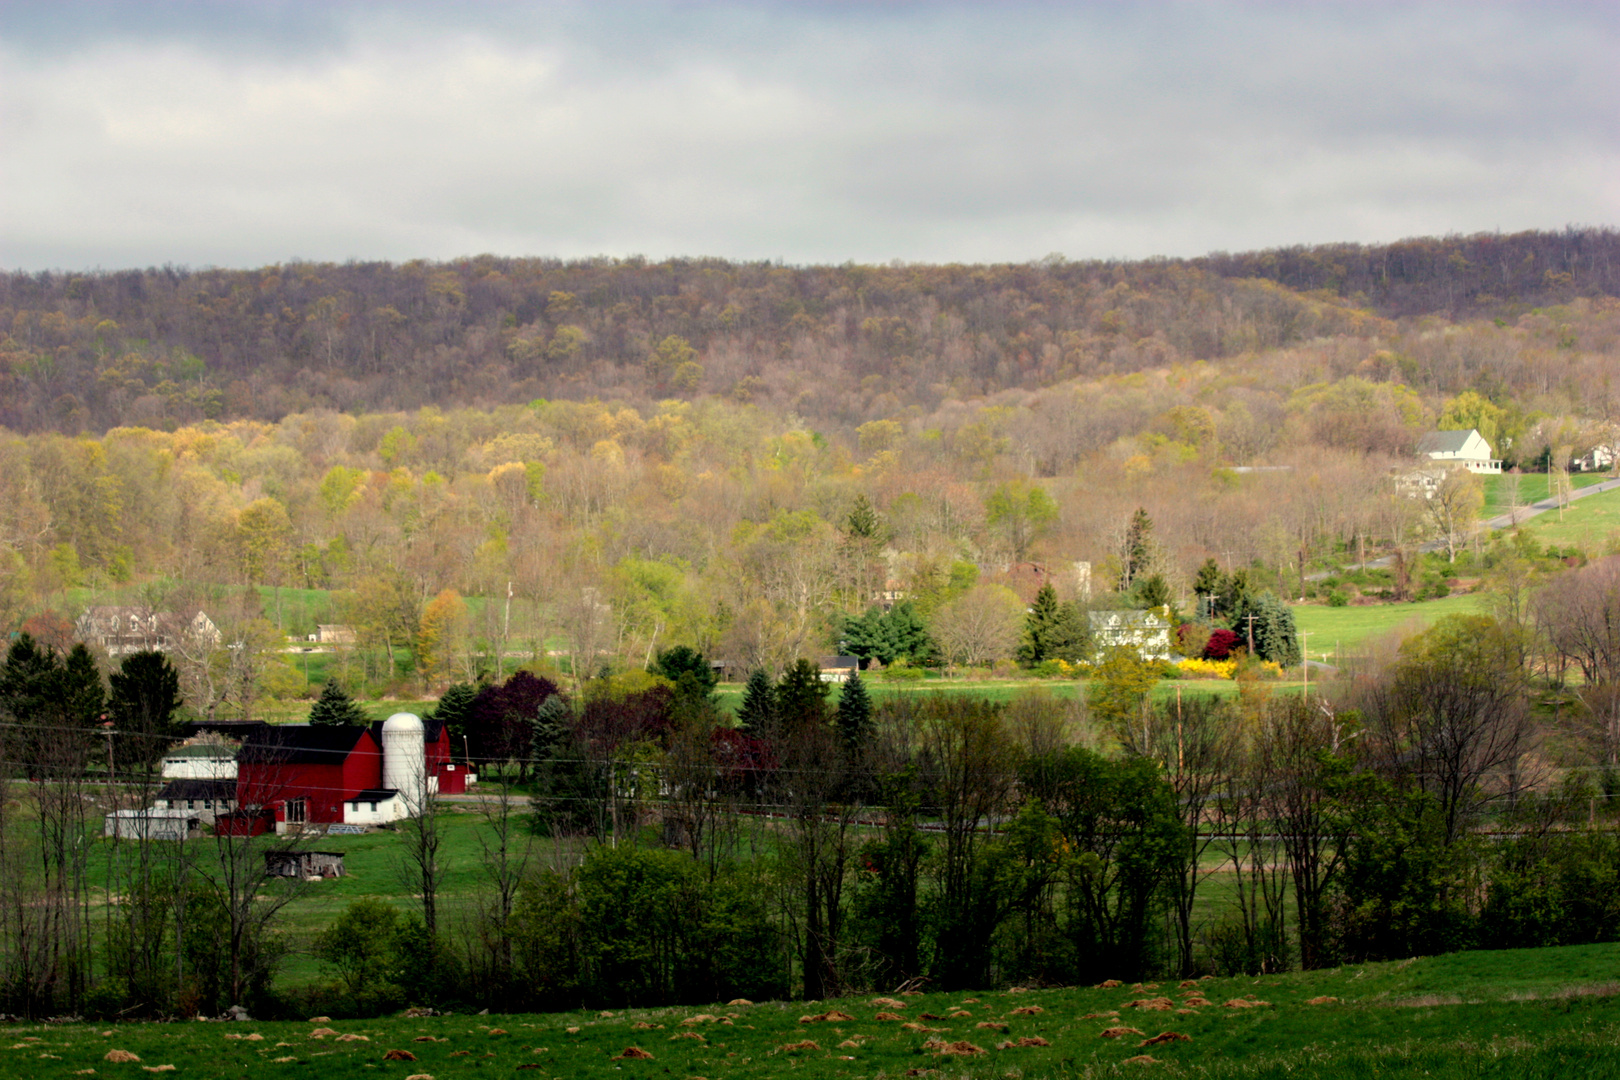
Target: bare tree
(980, 626)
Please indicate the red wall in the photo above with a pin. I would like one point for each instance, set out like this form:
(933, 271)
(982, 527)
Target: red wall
(326, 786)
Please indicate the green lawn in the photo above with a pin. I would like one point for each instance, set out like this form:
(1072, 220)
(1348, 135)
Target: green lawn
(1336, 631)
(1470, 1016)
(1533, 487)
(1591, 524)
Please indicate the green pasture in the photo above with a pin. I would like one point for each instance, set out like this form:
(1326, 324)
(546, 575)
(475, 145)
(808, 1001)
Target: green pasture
(1591, 524)
(1342, 630)
(1533, 487)
(1469, 1016)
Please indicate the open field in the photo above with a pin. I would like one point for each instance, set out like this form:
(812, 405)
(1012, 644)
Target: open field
(1529, 1013)
(1591, 524)
(1533, 487)
(1337, 631)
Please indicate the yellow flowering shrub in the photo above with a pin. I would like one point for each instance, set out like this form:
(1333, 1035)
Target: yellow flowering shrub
(1208, 669)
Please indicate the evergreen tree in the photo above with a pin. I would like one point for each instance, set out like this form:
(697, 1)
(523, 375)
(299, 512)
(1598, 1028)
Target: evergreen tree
(862, 522)
(1208, 585)
(453, 708)
(854, 714)
(337, 709)
(1136, 554)
(1152, 592)
(680, 660)
(758, 708)
(1053, 630)
(801, 696)
(1275, 636)
(887, 636)
(145, 696)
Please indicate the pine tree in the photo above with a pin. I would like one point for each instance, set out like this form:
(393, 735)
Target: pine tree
(1208, 586)
(145, 695)
(862, 522)
(1275, 636)
(758, 708)
(801, 696)
(1053, 630)
(854, 714)
(1136, 554)
(337, 709)
(453, 708)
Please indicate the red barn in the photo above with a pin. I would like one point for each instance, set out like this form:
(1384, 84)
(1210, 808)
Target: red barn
(304, 772)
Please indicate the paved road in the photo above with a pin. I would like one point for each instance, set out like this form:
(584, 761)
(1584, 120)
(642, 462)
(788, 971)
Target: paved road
(1507, 521)
(1501, 521)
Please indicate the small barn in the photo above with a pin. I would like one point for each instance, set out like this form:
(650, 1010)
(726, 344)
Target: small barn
(304, 864)
(153, 824)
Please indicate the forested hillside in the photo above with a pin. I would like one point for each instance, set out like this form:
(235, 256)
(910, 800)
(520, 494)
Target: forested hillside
(836, 345)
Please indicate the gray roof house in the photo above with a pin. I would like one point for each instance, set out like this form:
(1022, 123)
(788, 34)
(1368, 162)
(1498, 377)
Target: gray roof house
(1148, 632)
(1467, 449)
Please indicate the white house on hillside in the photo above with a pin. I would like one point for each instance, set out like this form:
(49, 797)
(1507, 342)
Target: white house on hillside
(1148, 632)
(1460, 449)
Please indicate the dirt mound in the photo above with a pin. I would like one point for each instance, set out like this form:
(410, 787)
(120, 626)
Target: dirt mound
(790, 1048)
(633, 1053)
(322, 1032)
(1116, 1032)
(1141, 1059)
(1323, 1001)
(702, 1018)
(961, 1048)
(832, 1016)
(888, 1003)
(686, 1035)
(957, 1014)
(1165, 1037)
(399, 1055)
(1187, 983)
(1152, 1004)
(918, 1027)
(991, 1025)
(1247, 1003)
(1102, 1016)
(739, 1001)
(122, 1055)
(1109, 984)
(887, 1017)
(1027, 1010)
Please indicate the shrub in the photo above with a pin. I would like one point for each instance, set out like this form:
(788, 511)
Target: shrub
(1208, 669)
(1337, 598)
(1221, 643)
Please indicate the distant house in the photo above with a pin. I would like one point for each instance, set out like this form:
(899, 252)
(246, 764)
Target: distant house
(119, 631)
(1597, 459)
(333, 634)
(1459, 449)
(836, 669)
(1148, 632)
(205, 800)
(200, 761)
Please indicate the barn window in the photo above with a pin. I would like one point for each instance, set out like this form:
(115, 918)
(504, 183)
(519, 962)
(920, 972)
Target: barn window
(296, 811)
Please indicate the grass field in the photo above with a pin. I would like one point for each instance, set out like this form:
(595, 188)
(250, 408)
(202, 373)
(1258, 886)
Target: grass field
(1480, 1016)
(1591, 524)
(1533, 487)
(1337, 631)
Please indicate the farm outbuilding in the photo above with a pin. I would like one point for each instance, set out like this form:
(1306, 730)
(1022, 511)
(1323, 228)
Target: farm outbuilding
(152, 824)
(304, 864)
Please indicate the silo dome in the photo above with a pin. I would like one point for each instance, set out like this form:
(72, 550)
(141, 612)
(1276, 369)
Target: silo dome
(405, 758)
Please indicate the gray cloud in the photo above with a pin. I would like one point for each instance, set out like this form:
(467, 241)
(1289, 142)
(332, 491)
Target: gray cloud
(243, 134)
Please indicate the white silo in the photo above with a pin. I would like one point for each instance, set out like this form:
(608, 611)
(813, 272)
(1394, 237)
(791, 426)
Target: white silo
(405, 759)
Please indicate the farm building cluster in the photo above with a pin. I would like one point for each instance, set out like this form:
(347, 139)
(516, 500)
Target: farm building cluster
(289, 777)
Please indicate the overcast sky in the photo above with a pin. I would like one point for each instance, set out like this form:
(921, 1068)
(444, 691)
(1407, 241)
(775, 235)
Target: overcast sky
(239, 133)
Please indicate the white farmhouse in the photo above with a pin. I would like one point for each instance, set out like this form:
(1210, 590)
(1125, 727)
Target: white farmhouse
(1459, 449)
(1148, 632)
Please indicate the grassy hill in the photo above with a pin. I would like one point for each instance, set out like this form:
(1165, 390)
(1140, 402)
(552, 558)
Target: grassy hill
(1479, 1015)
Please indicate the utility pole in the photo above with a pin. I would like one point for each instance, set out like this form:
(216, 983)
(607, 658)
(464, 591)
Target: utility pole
(1305, 659)
(1250, 620)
